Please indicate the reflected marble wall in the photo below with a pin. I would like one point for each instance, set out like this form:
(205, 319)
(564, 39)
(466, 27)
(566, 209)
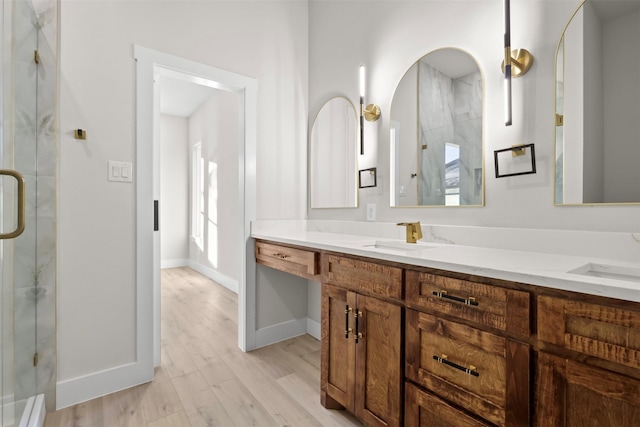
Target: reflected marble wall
(450, 111)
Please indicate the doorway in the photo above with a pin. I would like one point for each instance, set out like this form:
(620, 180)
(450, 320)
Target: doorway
(151, 64)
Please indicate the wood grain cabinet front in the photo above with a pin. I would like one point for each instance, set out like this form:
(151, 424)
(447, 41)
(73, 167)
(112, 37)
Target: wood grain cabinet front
(361, 365)
(301, 262)
(603, 331)
(485, 374)
(487, 305)
(570, 389)
(570, 393)
(423, 409)
(363, 276)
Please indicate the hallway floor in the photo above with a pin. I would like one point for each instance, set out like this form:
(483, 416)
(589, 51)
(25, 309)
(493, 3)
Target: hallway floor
(205, 380)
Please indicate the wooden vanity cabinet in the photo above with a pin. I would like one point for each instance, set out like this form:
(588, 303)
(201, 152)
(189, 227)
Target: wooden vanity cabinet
(426, 410)
(363, 375)
(571, 391)
(443, 349)
(457, 353)
(298, 261)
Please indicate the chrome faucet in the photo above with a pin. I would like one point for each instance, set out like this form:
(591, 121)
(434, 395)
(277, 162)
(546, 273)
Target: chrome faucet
(414, 231)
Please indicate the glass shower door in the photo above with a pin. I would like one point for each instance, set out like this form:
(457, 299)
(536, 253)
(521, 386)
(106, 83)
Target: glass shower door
(27, 184)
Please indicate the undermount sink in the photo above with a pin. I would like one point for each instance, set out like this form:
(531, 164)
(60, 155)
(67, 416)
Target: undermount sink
(629, 274)
(398, 245)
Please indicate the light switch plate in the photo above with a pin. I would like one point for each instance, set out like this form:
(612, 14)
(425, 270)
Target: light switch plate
(120, 171)
(371, 211)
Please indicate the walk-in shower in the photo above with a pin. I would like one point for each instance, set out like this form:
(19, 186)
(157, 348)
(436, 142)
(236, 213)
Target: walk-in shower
(27, 152)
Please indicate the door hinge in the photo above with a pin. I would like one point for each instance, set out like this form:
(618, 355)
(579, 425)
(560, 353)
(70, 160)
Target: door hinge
(36, 57)
(35, 359)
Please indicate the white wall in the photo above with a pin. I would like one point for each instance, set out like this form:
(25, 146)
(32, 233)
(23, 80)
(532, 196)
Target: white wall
(405, 110)
(216, 126)
(622, 174)
(593, 136)
(573, 99)
(266, 40)
(174, 189)
(389, 36)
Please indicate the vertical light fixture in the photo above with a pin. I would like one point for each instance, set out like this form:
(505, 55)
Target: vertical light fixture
(507, 63)
(516, 63)
(371, 112)
(362, 86)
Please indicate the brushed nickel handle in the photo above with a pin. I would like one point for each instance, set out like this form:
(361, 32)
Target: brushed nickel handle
(467, 301)
(21, 204)
(471, 370)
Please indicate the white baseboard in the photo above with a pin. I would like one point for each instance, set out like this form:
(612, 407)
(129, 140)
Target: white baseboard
(286, 330)
(280, 332)
(313, 329)
(211, 273)
(81, 389)
(174, 263)
(215, 275)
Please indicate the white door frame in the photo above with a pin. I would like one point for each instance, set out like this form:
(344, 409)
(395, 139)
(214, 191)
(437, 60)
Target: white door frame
(150, 63)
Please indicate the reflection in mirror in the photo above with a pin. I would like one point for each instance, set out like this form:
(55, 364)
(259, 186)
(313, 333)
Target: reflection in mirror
(598, 105)
(332, 155)
(436, 132)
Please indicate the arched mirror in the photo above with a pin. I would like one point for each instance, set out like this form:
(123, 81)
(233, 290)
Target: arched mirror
(332, 156)
(598, 105)
(436, 137)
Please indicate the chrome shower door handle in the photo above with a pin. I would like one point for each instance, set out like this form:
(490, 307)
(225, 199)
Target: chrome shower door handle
(21, 204)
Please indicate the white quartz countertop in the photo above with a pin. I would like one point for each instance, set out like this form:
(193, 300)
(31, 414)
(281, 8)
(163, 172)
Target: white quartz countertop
(595, 276)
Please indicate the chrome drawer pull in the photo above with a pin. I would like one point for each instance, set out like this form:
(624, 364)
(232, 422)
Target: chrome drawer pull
(468, 301)
(471, 370)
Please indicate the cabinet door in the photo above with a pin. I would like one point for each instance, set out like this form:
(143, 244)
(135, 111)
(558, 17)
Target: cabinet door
(338, 350)
(378, 363)
(574, 394)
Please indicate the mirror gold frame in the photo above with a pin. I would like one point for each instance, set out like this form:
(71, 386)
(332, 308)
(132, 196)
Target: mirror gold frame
(596, 163)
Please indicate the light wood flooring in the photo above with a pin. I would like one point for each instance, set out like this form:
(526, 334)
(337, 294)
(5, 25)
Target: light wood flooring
(205, 380)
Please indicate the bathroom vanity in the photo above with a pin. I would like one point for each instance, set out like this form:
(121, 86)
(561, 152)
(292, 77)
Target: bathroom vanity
(434, 334)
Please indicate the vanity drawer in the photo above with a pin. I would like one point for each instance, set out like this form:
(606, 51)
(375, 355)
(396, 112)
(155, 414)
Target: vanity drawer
(601, 331)
(423, 409)
(301, 262)
(483, 373)
(363, 276)
(500, 308)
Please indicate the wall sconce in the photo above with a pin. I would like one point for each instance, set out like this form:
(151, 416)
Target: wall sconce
(371, 112)
(516, 63)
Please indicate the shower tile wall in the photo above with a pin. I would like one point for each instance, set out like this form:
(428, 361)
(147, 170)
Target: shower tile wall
(450, 111)
(467, 131)
(34, 123)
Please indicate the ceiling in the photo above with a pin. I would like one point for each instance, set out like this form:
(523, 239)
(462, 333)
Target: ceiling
(182, 98)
